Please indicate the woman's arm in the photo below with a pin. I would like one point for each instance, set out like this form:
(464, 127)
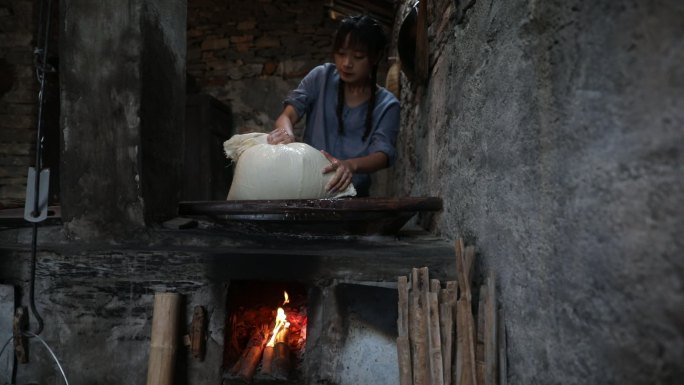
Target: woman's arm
(345, 169)
(283, 132)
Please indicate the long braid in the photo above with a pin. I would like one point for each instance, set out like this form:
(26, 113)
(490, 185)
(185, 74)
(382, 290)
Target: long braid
(371, 103)
(340, 107)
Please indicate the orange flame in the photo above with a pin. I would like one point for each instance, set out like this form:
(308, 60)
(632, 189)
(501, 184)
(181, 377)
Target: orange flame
(280, 323)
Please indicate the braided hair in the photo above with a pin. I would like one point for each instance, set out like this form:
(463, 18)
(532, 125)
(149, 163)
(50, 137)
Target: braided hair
(365, 34)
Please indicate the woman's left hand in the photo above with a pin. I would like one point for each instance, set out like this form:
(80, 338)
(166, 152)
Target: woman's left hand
(279, 136)
(343, 173)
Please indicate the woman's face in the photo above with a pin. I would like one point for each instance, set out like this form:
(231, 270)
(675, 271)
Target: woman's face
(352, 64)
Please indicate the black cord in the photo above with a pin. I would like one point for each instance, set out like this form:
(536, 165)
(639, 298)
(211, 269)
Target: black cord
(32, 284)
(42, 68)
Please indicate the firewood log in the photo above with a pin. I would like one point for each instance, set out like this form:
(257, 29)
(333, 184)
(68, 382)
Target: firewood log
(446, 328)
(490, 335)
(465, 354)
(436, 363)
(246, 365)
(403, 345)
(419, 327)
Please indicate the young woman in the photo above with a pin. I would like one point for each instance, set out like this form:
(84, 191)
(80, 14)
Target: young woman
(352, 120)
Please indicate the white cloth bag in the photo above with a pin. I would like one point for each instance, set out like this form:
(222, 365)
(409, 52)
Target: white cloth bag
(281, 171)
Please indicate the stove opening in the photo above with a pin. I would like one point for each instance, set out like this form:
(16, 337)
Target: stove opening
(265, 332)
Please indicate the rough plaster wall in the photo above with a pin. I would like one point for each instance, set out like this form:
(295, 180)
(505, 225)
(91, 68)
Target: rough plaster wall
(100, 71)
(98, 307)
(123, 105)
(553, 131)
(163, 106)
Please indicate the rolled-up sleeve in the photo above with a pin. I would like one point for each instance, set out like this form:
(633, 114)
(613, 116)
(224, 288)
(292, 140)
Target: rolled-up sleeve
(384, 139)
(304, 96)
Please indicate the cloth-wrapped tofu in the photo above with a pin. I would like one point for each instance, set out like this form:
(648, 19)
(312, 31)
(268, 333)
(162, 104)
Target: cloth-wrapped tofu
(280, 171)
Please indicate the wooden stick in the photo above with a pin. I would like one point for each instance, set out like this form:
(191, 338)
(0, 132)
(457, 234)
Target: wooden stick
(446, 327)
(403, 346)
(452, 287)
(465, 354)
(469, 261)
(419, 328)
(503, 370)
(480, 333)
(163, 339)
(404, 355)
(460, 342)
(198, 333)
(435, 286)
(490, 335)
(436, 363)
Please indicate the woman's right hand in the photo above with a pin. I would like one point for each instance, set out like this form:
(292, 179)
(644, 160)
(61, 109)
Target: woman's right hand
(280, 136)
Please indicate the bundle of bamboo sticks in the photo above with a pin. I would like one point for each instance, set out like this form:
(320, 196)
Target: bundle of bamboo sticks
(440, 341)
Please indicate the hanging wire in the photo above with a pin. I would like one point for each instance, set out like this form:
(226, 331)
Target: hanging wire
(54, 357)
(11, 376)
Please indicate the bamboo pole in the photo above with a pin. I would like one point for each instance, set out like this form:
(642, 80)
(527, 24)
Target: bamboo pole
(163, 340)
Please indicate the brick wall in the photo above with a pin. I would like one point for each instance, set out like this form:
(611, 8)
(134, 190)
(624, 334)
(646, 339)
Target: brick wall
(18, 93)
(249, 54)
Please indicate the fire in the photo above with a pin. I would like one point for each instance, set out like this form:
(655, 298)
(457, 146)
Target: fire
(281, 324)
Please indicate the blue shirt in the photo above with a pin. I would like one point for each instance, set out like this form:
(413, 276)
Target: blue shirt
(316, 98)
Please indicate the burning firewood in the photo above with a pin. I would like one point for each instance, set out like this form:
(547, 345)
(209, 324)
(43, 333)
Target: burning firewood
(246, 365)
(276, 363)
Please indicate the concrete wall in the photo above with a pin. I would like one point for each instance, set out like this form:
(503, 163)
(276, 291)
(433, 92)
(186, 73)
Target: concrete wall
(553, 131)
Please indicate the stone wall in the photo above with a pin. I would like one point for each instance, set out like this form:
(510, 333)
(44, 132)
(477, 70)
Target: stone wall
(553, 131)
(18, 93)
(249, 54)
